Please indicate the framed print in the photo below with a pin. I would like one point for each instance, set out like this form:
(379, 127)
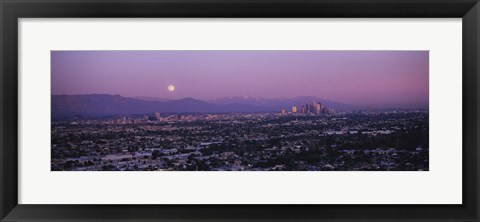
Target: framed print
(226, 110)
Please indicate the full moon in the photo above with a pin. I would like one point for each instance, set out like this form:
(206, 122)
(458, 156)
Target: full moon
(171, 88)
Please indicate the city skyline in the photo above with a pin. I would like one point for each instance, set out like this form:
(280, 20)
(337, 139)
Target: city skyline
(352, 77)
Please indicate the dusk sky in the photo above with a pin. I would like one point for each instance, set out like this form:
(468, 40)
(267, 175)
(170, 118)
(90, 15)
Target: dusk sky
(353, 77)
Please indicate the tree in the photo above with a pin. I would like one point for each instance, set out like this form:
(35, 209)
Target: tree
(156, 154)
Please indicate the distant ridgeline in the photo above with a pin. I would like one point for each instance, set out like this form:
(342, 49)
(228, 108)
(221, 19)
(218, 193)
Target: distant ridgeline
(95, 105)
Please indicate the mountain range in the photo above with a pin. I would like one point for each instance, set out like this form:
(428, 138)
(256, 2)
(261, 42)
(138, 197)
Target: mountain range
(64, 106)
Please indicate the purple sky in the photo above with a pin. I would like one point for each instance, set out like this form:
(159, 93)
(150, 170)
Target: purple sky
(354, 77)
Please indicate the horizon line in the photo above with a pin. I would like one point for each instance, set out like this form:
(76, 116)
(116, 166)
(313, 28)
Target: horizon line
(427, 104)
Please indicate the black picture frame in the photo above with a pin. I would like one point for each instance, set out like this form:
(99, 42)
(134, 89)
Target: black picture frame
(12, 10)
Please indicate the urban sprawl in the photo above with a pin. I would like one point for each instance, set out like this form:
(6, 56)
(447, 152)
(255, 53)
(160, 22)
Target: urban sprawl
(308, 137)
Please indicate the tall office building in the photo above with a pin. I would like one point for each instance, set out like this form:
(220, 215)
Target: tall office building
(318, 108)
(302, 109)
(311, 107)
(294, 109)
(158, 116)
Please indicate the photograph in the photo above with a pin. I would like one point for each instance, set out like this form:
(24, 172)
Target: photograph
(239, 110)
